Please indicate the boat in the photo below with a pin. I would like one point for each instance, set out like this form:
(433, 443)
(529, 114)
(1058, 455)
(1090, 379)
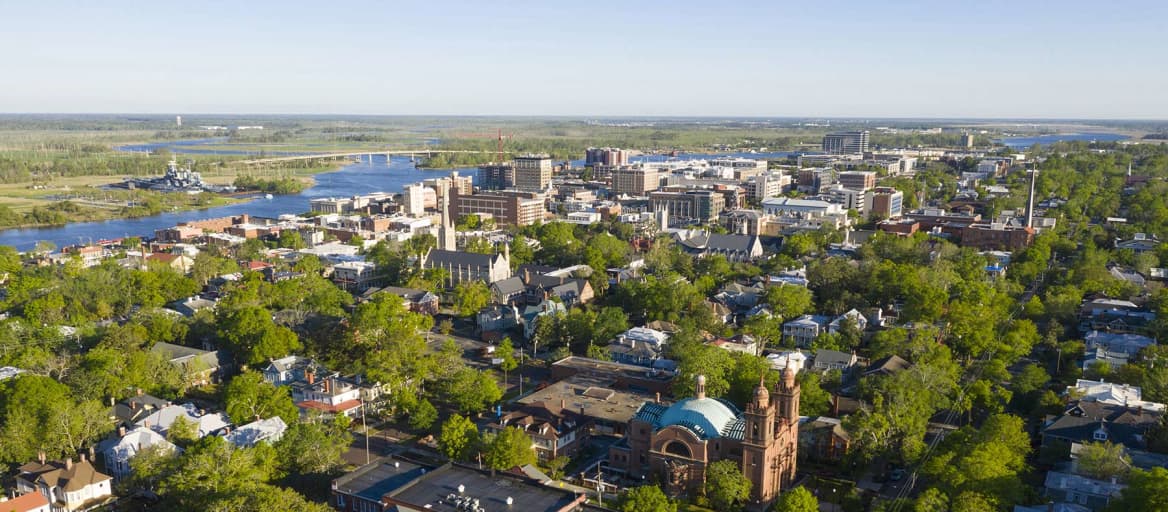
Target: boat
(267, 196)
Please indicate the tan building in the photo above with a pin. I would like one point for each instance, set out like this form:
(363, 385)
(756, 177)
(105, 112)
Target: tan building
(675, 444)
(857, 180)
(533, 173)
(700, 205)
(505, 206)
(635, 181)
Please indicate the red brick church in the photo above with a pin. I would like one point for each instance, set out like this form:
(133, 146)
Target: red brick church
(672, 445)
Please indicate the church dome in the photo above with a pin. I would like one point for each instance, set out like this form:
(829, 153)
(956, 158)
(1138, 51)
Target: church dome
(706, 417)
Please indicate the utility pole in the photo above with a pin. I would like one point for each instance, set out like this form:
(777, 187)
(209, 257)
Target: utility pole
(365, 428)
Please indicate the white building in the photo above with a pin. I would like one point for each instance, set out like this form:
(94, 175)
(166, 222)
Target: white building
(779, 206)
(68, 486)
(355, 275)
(414, 199)
(1112, 394)
(205, 423)
(256, 432)
(793, 359)
(118, 451)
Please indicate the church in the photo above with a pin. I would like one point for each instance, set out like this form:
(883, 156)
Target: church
(672, 445)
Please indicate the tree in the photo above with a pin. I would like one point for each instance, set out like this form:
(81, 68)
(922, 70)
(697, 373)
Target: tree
(645, 498)
(471, 390)
(249, 397)
(1145, 491)
(986, 461)
(315, 446)
(1102, 461)
(506, 352)
(509, 448)
(798, 499)
(789, 301)
(932, 500)
(254, 337)
(726, 486)
(182, 432)
(470, 297)
(459, 438)
(423, 415)
(388, 341)
(291, 239)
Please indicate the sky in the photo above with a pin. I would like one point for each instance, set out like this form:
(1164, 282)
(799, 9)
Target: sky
(768, 58)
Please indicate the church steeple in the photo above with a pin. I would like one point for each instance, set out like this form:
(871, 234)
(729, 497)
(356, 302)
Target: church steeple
(446, 236)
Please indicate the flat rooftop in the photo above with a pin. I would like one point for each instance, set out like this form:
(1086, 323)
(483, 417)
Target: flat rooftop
(413, 486)
(592, 394)
(628, 371)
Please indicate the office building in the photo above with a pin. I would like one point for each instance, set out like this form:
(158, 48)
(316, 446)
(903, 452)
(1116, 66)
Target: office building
(804, 208)
(496, 176)
(857, 180)
(967, 140)
(700, 205)
(635, 181)
(884, 203)
(414, 199)
(743, 167)
(533, 173)
(767, 184)
(816, 180)
(840, 143)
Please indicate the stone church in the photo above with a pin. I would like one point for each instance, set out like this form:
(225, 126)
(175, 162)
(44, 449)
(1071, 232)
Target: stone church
(672, 445)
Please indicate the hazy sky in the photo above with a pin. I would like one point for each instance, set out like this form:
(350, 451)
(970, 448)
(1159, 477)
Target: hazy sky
(936, 58)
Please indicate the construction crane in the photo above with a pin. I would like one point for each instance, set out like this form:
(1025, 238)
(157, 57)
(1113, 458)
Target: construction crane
(498, 136)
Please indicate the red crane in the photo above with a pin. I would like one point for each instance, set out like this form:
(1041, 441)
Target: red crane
(498, 136)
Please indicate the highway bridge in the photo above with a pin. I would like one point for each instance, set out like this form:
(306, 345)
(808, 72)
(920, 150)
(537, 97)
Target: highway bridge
(326, 156)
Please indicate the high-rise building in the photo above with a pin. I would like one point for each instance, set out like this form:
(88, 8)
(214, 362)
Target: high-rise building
(635, 181)
(505, 206)
(885, 203)
(967, 140)
(606, 156)
(533, 173)
(839, 143)
(766, 185)
(699, 205)
(858, 180)
(414, 199)
(496, 176)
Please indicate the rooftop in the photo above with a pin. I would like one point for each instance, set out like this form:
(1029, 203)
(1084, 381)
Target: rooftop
(592, 394)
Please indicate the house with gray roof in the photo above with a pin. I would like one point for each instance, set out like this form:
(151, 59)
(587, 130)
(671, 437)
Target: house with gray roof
(1089, 493)
(1086, 422)
(199, 366)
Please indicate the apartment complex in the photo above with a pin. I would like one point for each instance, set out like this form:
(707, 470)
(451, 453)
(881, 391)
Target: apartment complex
(533, 173)
(606, 156)
(858, 180)
(635, 181)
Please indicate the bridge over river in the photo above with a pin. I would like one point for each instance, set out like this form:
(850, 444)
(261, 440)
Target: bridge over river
(318, 156)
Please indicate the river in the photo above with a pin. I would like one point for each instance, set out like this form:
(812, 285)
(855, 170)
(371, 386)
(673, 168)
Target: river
(1025, 142)
(376, 174)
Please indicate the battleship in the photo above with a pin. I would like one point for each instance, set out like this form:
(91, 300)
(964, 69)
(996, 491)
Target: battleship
(176, 179)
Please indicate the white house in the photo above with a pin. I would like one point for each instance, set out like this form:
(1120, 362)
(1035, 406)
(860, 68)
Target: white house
(68, 486)
(205, 424)
(793, 359)
(1113, 394)
(118, 451)
(855, 316)
(805, 329)
(247, 436)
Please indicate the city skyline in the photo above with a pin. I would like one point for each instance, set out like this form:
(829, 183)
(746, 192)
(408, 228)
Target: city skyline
(910, 59)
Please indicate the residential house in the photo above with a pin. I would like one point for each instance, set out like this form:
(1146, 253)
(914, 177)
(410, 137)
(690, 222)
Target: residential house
(570, 291)
(199, 366)
(1085, 422)
(1140, 242)
(639, 346)
(823, 439)
(1129, 344)
(555, 430)
(289, 369)
(134, 409)
(260, 431)
(1118, 321)
(356, 276)
(834, 360)
(119, 450)
(1090, 308)
(740, 343)
(205, 423)
(855, 316)
(329, 394)
(497, 318)
(418, 301)
(29, 502)
(1112, 394)
(189, 306)
(531, 314)
(1103, 357)
(508, 291)
(794, 359)
(741, 297)
(1080, 490)
(805, 329)
(889, 365)
(67, 485)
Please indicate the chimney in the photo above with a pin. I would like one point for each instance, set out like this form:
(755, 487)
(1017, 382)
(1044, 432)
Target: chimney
(563, 403)
(310, 377)
(92, 453)
(68, 462)
(122, 431)
(83, 458)
(657, 400)
(139, 391)
(326, 383)
(41, 457)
